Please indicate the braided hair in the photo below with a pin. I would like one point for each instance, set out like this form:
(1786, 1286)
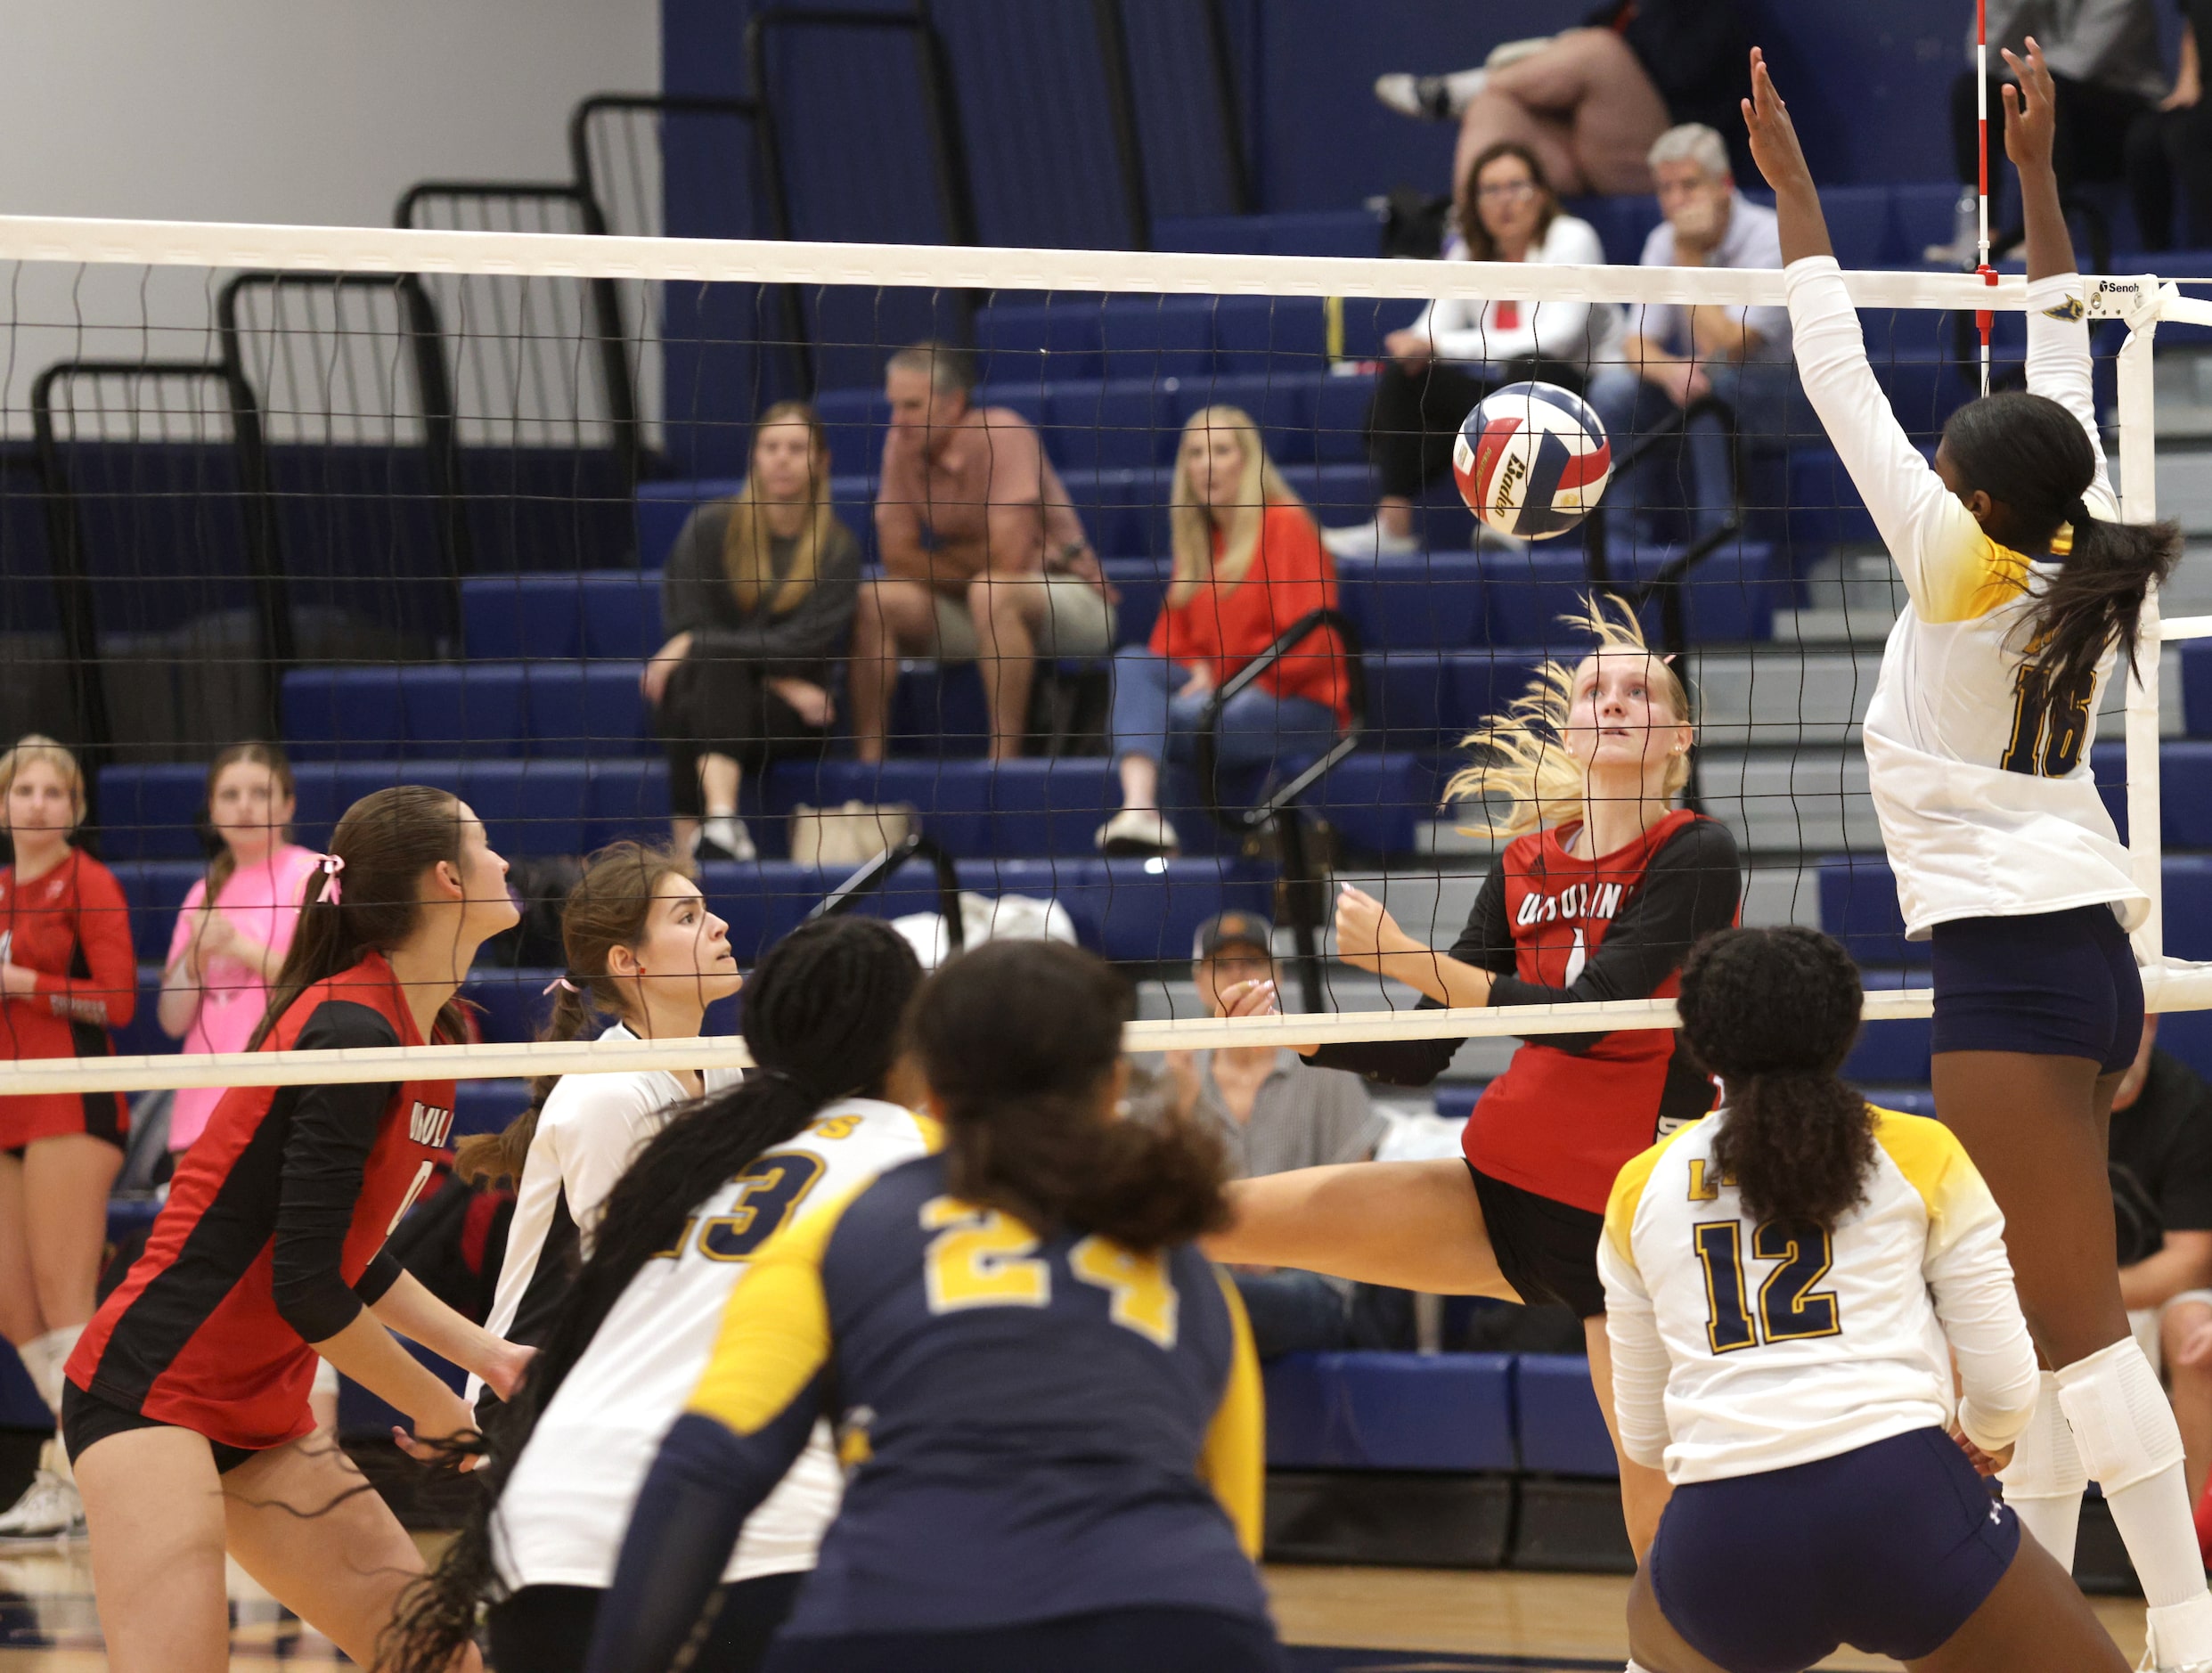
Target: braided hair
(822, 1020)
(1774, 1013)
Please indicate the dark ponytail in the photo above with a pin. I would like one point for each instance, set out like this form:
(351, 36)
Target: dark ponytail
(1774, 1013)
(2032, 457)
(1019, 1040)
(387, 840)
(610, 907)
(822, 1017)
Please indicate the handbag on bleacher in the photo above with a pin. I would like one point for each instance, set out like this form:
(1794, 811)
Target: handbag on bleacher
(850, 835)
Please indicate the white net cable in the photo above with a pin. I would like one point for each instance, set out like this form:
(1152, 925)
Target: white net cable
(383, 399)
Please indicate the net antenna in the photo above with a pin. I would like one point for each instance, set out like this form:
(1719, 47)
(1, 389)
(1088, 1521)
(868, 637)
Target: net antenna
(1984, 318)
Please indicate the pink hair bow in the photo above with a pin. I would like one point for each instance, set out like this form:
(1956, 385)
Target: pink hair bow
(332, 864)
(561, 983)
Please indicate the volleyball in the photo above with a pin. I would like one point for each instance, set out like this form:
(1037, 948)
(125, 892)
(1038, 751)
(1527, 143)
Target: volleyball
(1531, 460)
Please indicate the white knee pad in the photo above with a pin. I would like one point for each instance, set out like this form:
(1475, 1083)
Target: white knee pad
(51, 1373)
(2121, 1422)
(2045, 1462)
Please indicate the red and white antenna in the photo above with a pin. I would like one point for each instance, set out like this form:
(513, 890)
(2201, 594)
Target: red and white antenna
(1984, 318)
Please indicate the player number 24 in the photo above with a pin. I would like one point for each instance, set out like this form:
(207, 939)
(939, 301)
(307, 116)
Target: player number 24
(1790, 1309)
(983, 1258)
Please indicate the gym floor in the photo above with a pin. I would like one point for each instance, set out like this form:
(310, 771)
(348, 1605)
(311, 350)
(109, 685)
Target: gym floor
(1342, 1621)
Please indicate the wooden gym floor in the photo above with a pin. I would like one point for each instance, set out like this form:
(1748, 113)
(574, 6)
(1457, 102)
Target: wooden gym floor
(1346, 1620)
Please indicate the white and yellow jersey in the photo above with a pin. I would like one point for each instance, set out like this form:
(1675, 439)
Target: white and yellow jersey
(1742, 1346)
(1981, 777)
(560, 1520)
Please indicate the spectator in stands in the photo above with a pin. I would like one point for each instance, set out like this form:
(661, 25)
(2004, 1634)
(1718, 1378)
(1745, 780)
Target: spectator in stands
(1248, 563)
(237, 921)
(2106, 65)
(1273, 1113)
(1725, 371)
(985, 559)
(2160, 1150)
(1590, 102)
(2171, 148)
(1460, 349)
(67, 976)
(758, 599)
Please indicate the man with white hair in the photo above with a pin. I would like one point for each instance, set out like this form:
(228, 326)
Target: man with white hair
(1727, 368)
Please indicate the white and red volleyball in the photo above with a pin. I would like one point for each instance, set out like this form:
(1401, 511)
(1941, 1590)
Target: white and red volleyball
(1531, 460)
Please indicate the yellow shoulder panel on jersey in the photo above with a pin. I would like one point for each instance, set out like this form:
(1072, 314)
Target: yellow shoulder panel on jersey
(932, 1130)
(1234, 1461)
(1974, 581)
(1936, 1166)
(1627, 1190)
(775, 1327)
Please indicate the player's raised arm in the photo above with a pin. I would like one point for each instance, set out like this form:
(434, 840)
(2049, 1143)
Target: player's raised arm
(1780, 158)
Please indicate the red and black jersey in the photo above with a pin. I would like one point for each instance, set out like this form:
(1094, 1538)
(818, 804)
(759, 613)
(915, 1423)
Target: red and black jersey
(73, 927)
(274, 1233)
(1555, 928)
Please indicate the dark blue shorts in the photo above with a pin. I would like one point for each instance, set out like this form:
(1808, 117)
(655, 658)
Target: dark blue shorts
(1888, 1547)
(2056, 985)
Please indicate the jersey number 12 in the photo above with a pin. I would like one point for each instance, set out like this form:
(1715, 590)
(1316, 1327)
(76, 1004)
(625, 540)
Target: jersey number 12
(1790, 1309)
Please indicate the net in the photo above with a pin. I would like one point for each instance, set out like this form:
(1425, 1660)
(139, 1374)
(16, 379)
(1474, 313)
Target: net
(407, 501)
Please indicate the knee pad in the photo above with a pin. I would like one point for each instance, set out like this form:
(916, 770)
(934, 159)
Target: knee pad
(2047, 1464)
(2121, 1422)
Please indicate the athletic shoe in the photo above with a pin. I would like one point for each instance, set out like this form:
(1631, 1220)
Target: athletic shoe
(725, 837)
(1431, 98)
(49, 1509)
(1138, 831)
(1369, 539)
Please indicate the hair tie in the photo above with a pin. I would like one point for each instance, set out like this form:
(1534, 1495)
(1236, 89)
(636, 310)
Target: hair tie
(332, 864)
(561, 983)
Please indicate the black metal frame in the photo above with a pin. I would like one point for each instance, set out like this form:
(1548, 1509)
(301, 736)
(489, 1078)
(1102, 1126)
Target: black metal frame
(606, 304)
(659, 103)
(1305, 888)
(65, 536)
(875, 873)
(433, 393)
(947, 144)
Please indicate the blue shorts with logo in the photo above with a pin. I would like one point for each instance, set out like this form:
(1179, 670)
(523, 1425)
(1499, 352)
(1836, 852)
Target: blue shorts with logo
(2056, 985)
(1889, 1547)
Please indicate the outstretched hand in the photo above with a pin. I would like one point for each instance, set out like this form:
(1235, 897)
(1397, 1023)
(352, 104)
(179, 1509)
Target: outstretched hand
(1775, 146)
(2031, 110)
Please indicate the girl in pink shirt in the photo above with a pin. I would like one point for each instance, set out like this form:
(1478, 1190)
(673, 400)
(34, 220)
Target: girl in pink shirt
(237, 922)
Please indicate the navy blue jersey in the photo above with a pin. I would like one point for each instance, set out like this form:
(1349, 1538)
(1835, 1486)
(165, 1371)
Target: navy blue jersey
(1032, 1428)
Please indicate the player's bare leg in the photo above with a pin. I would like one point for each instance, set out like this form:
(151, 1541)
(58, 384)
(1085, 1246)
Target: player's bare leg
(1409, 1224)
(1653, 1643)
(2035, 1620)
(2192, 1388)
(154, 1504)
(2037, 1128)
(304, 1522)
(66, 1182)
(20, 1321)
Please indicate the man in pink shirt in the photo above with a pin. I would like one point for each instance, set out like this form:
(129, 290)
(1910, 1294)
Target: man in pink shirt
(985, 559)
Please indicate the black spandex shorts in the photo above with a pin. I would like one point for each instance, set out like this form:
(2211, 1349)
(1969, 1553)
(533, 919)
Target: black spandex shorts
(1889, 1547)
(87, 1418)
(547, 1628)
(1110, 1641)
(1547, 1249)
(2054, 984)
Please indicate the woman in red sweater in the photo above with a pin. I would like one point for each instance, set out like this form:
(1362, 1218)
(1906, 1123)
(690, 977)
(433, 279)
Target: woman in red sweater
(67, 978)
(1248, 563)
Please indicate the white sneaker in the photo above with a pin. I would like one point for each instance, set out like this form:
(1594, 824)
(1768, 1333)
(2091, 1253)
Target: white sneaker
(1429, 98)
(49, 1509)
(1369, 539)
(1138, 831)
(725, 833)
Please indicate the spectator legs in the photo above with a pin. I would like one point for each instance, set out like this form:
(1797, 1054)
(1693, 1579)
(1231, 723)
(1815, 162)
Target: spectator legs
(1137, 732)
(1584, 105)
(1006, 610)
(890, 617)
(1417, 410)
(2189, 1386)
(1292, 1313)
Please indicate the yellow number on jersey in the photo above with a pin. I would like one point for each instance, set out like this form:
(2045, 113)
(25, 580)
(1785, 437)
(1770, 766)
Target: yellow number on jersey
(980, 1258)
(1144, 1298)
(833, 1127)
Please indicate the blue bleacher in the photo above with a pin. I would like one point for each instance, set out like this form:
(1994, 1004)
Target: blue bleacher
(1378, 1411)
